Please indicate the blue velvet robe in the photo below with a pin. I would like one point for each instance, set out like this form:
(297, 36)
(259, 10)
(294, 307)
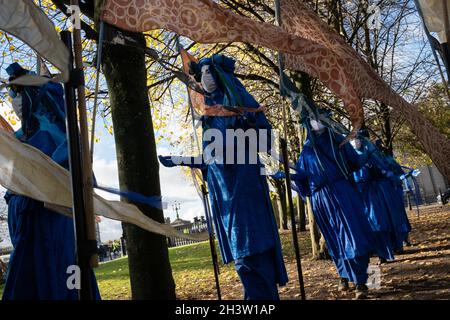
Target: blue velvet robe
(393, 190)
(378, 207)
(242, 211)
(336, 203)
(43, 240)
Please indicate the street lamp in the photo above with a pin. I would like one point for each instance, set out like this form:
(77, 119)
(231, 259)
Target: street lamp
(176, 206)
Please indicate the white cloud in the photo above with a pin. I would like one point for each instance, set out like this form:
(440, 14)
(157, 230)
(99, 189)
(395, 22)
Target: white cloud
(174, 186)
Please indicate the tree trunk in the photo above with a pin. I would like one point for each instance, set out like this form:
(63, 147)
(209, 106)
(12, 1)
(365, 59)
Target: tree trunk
(301, 214)
(274, 202)
(318, 246)
(126, 76)
(282, 205)
(386, 128)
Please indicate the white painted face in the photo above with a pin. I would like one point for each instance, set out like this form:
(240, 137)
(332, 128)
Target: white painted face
(208, 82)
(316, 125)
(356, 143)
(17, 105)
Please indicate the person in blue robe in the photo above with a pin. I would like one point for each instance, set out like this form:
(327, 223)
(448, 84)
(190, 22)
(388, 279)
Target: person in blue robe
(378, 207)
(393, 190)
(241, 208)
(43, 240)
(326, 166)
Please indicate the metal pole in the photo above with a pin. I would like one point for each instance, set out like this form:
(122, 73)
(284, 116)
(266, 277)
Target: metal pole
(76, 169)
(286, 166)
(293, 224)
(97, 83)
(212, 243)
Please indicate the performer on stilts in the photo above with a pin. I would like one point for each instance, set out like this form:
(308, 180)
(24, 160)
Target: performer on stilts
(324, 173)
(242, 212)
(43, 240)
(379, 208)
(393, 188)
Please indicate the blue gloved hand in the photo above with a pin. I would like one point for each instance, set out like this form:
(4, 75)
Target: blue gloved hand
(167, 161)
(279, 175)
(415, 173)
(370, 147)
(391, 176)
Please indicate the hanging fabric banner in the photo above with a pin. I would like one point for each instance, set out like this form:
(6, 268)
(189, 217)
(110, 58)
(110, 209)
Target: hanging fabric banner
(26, 21)
(27, 171)
(436, 15)
(205, 21)
(300, 20)
(314, 48)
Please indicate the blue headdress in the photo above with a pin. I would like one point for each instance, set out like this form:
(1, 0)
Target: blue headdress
(230, 91)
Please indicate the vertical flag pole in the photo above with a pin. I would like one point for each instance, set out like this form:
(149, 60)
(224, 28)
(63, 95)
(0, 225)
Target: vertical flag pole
(76, 169)
(206, 206)
(84, 138)
(283, 142)
(97, 83)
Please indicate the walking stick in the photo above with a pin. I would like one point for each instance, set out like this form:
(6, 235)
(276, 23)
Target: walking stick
(293, 223)
(284, 151)
(80, 164)
(212, 243)
(205, 200)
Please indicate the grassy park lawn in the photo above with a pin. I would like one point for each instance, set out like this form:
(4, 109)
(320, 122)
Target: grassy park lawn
(421, 272)
(192, 272)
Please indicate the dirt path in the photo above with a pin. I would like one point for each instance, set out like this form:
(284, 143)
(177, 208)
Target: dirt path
(421, 272)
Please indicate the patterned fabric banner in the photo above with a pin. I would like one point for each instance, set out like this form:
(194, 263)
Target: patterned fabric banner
(300, 20)
(4, 125)
(313, 47)
(207, 22)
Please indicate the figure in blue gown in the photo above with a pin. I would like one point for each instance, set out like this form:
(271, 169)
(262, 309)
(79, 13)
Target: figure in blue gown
(336, 202)
(378, 208)
(43, 240)
(242, 212)
(393, 190)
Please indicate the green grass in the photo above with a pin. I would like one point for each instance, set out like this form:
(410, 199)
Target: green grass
(191, 267)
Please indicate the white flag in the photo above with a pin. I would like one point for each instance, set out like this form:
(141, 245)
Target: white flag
(26, 21)
(27, 171)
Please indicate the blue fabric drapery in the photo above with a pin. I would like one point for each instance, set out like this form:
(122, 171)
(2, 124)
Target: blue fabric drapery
(43, 240)
(336, 203)
(239, 194)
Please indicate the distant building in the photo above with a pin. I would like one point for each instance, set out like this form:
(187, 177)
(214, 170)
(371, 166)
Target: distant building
(431, 183)
(187, 227)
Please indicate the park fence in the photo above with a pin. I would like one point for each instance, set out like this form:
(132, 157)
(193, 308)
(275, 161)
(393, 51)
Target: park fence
(198, 226)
